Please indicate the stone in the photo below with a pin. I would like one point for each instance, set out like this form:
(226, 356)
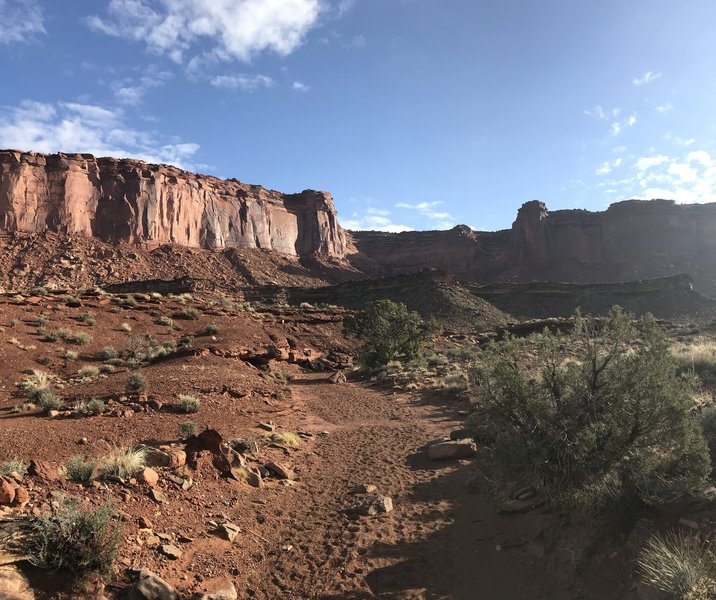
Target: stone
(229, 530)
(7, 491)
(280, 470)
(371, 506)
(150, 476)
(248, 475)
(266, 426)
(337, 377)
(157, 495)
(170, 551)
(22, 497)
(77, 194)
(452, 450)
(522, 506)
(14, 585)
(152, 587)
(223, 589)
(42, 470)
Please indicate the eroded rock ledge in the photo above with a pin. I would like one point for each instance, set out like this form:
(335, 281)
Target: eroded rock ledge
(148, 205)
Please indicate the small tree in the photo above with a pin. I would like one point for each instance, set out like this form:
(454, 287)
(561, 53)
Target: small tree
(595, 415)
(388, 330)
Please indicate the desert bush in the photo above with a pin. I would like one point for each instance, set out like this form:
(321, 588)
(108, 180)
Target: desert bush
(39, 291)
(78, 337)
(79, 469)
(457, 382)
(699, 358)
(13, 465)
(123, 462)
(106, 368)
(46, 399)
(208, 330)
(186, 341)
(108, 353)
(41, 320)
(166, 321)
(603, 417)
(126, 327)
(87, 372)
(71, 301)
(136, 383)
(388, 330)
(86, 317)
(37, 380)
(285, 437)
(71, 355)
(79, 539)
(189, 404)
(680, 565)
(188, 313)
(95, 407)
(187, 429)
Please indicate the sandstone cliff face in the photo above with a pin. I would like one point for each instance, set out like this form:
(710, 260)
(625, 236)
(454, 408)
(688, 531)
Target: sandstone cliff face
(630, 240)
(149, 205)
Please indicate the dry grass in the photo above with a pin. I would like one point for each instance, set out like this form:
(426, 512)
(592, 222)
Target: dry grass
(123, 462)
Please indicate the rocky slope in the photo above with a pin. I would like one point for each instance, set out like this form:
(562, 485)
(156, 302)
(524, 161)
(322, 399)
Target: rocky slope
(630, 240)
(148, 205)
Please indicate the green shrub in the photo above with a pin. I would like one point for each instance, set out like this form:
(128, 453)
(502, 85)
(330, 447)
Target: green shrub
(188, 313)
(87, 372)
(602, 416)
(39, 291)
(388, 330)
(71, 355)
(71, 301)
(136, 383)
(680, 565)
(166, 321)
(456, 382)
(96, 406)
(79, 337)
(186, 341)
(14, 465)
(124, 462)
(209, 330)
(86, 317)
(108, 353)
(79, 469)
(41, 320)
(106, 368)
(189, 404)
(46, 399)
(82, 540)
(187, 429)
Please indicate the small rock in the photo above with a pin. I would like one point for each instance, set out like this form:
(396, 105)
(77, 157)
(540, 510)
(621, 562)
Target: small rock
(43, 470)
(146, 523)
(229, 530)
(21, 496)
(337, 377)
(53, 414)
(152, 587)
(221, 590)
(84, 441)
(371, 506)
(266, 426)
(280, 470)
(7, 492)
(150, 477)
(155, 404)
(170, 551)
(452, 450)
(157, 495)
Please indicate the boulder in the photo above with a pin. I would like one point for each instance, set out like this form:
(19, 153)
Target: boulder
(150, 477)
(280, 470)
(371, 506)
(223, 589)
(14, 585)
(7, 491)
(452, 450)
(152, 587)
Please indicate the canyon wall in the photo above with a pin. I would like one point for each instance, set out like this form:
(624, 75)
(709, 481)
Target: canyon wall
(148, 205)
(628, 241)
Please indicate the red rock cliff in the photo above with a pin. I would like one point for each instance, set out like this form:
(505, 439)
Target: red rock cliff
(630, 240)
(148, 205)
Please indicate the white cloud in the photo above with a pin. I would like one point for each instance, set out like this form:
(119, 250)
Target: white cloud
(700, 156)
(87, 128)
(440, 219)
(618, 126)
(131, 90)
(597, 112)
(619, 149)
(234, 29)
(648, 162)
(300, 87)
(646, 78)
(665, 108)
(607, 167)
(373, 222)
(20, 20)
(248, 83)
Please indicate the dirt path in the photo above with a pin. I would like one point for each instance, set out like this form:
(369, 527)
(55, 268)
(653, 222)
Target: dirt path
(439, 542)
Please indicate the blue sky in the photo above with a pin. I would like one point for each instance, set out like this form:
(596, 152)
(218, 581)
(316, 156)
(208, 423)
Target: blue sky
(414, 114)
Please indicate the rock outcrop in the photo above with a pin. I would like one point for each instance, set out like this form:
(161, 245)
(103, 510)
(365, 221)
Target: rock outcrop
(148, 205)
(630, 240)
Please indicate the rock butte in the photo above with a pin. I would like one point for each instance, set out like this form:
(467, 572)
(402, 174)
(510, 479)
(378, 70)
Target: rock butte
(148, 205)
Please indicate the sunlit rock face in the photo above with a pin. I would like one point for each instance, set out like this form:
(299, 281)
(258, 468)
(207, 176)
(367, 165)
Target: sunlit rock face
(630, 240)
(145, 204)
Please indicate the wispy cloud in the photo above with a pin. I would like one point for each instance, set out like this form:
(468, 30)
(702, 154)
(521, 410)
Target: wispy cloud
(131, 90)
(77, 127)
(20, 21)
(646, 78)
(248, 83)
(374, 219)
(234, 29)
(665, 108)
(608, 166)
(440, 219)
(603, 114)
(618, 126)
(300, 87)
